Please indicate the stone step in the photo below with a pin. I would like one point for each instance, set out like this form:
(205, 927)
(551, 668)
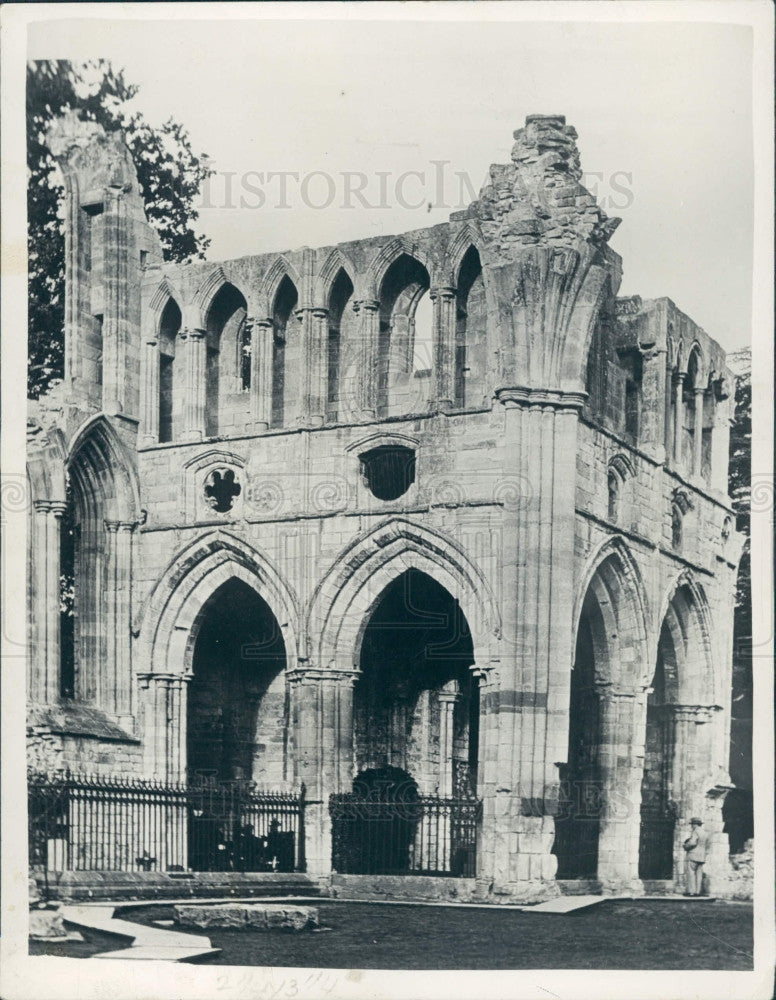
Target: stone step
(148, 943)
(579, 887)
(116, 886)
(155, 953)
(565, 904)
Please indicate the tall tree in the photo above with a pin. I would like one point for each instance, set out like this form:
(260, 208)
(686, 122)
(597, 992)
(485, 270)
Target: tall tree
(169, 172)
(738, 804)
(739, 487)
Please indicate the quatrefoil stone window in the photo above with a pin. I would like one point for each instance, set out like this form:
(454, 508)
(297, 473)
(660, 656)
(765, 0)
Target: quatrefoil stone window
(222, 489)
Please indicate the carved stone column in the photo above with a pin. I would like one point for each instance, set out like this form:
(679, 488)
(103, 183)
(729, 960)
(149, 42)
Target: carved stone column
(196, 385)
(45, 665)
(316, 396)
(149, 391)
(308, 366)
(687, 764)
(114, 292)
(621, 764)
(448, 697)
(697, 451)
(443, 335)
(669, 416)
(720, 445)
(117, 683)
(162, 709)
(679, 378)
(487, 774)
(261, 374)
(322, 713)
(369, 332)
(653, 413)
(698, 788)
(536, 650)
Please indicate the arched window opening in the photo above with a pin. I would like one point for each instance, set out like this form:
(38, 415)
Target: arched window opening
(471, 361)
(285, 354)
(405, 284)
(423, 346)
(689, 401)
(169, 328)
(388, 471)
(339, 301)
(225, 319)
(244, 352)
(95, 539)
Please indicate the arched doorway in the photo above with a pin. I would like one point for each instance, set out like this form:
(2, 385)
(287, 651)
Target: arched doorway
(684, 744)
(658, 816)
(596, 828)
(237, 723)
(577, 821)
(415, 657)
(236, 711)
(416, 734)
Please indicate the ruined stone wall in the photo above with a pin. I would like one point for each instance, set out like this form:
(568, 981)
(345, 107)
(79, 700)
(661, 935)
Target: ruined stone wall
(564, 441)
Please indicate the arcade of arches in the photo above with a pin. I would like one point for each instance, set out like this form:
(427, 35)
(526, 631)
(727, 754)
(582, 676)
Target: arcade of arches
(439, 509)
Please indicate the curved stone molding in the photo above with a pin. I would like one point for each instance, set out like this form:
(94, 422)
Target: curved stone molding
(343, 600)
(169, 619)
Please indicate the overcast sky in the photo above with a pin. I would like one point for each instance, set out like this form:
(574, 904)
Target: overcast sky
(663, 113)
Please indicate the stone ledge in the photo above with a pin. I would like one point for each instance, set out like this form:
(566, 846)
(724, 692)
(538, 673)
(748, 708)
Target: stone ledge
(398, 887)
(115, 886)
(73, 719)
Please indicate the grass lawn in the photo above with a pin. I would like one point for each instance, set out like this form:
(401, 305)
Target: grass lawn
(611, 935)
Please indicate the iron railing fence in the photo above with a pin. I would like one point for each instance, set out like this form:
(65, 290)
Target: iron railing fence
(95, 823)
(427, 835)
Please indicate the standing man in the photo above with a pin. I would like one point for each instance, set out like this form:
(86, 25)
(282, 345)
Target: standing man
(695, 847)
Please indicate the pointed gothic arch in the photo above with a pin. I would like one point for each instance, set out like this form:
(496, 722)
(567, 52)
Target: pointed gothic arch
(608, 680)
(99, 524)
(684, 625)
(335, 262)
(343, 601)
(388, 254)
(168, 621)
(280, 268)
(466, 237)
(614, 579)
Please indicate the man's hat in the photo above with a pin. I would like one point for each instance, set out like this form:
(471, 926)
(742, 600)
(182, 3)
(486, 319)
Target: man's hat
(696, 822)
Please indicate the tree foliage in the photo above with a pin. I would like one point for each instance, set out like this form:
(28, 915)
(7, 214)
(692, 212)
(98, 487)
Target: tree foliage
(169, 172)
(740, 479)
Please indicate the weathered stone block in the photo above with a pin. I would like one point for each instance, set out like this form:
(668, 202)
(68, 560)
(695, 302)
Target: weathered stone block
(46, 924)
(256, 916)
